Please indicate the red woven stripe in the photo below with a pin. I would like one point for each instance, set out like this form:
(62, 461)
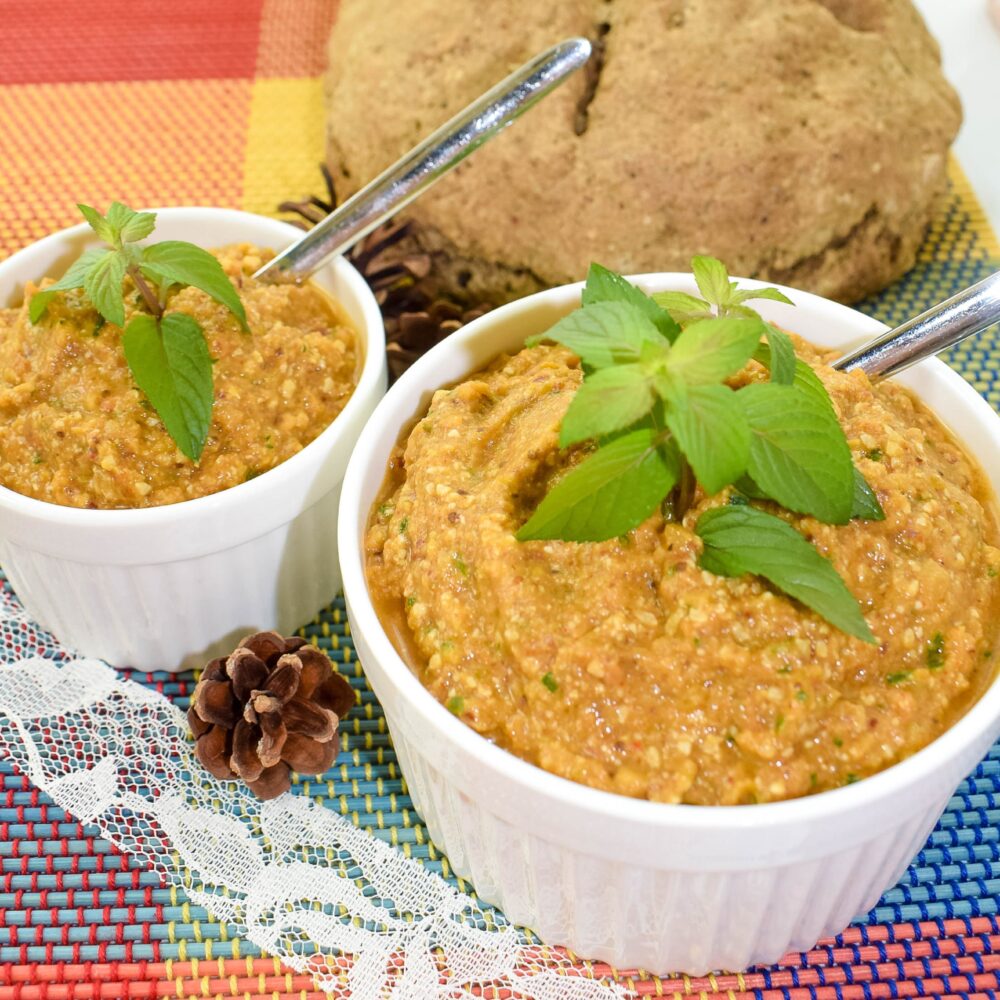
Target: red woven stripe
(118, 980)
(147, 989)
(51, 41)
(293, 37)
(966, 974)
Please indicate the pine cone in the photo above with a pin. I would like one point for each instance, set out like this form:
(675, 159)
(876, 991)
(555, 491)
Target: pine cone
(270, 707)
(418, 313)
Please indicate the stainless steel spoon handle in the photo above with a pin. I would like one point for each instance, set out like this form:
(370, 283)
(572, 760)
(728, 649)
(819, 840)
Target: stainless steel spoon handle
(434, 157)
(942, 326)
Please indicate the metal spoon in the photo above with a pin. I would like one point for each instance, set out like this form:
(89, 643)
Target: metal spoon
(944, 325)
(424, 164)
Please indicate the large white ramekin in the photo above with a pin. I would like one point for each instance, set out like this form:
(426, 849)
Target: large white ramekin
(642, 884)
(165, 587)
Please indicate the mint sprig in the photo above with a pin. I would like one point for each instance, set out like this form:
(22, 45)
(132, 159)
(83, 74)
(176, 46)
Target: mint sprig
(658, 408)
(166, 351)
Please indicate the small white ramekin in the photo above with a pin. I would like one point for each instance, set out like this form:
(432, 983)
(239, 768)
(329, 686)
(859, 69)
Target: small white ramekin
(636, 883)
(166, 587)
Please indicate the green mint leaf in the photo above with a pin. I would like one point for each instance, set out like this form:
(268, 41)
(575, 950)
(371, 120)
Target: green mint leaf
(743, 311)
(609, 400)
(749, 488)
(39, 303)
(182, 263)
(73, 278)
(98, 223)
(742, 539)
(780, 355)
(130, 226)
(667, 385)
(798, 453)
(171, 365)
(712, 432)
(604, 285)
(118, 216)
(603, 334)
(712, 279)
(77, 271)
(608, 494)
(807, 381)
(746, 294)
(103, 285)
(683, 308)
(710, 350)
(865, 504)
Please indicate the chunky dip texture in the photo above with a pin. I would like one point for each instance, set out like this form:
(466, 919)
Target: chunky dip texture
(624, 666)
(78, 432)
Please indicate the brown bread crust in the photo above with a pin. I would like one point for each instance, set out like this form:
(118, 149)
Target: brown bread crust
(801, 141)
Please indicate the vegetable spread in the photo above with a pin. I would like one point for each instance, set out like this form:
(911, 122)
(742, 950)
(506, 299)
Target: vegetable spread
(78, 432)
(621, 664)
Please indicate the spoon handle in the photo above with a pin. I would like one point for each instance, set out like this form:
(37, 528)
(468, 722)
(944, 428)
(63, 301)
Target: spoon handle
(428, 161)
(942, 326)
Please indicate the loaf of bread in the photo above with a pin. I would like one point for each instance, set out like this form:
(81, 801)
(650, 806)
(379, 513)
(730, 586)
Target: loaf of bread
(800, 141)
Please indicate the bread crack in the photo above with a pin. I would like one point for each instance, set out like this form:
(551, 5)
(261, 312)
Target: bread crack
(592, 76)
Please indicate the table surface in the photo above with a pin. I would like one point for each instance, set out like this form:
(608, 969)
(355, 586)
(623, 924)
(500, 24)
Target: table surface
(72, 907)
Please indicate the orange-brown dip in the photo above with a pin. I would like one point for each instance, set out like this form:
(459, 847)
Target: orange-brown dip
(624, 666)
(77, 431)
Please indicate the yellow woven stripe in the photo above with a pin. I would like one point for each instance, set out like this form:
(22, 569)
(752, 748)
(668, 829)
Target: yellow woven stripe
(284, 143)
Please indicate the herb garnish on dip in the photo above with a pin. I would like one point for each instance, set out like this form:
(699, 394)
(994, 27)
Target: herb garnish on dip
(655, 401)
(675, 659)
(150, 374)
(166, 351)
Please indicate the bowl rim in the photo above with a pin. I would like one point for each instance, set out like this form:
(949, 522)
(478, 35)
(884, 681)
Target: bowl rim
(860, 795)
(371, 331)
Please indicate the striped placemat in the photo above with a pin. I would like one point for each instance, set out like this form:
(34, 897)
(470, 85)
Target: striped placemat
(237, 90)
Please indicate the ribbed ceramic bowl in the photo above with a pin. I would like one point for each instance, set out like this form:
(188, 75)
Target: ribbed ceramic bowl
(636, 883)
(165, 587)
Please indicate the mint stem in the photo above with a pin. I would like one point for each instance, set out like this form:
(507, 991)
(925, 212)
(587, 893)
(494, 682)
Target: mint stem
(152, 302)
(685, 490)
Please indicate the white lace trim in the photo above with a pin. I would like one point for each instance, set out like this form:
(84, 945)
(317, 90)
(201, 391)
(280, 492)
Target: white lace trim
(296, 879)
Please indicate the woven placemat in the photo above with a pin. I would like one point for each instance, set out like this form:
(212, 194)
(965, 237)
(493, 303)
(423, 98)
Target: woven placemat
(236, 88)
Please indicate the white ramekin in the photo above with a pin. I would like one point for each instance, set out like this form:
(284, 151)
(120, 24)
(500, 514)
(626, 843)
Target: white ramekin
(636, 883)
(166, 587)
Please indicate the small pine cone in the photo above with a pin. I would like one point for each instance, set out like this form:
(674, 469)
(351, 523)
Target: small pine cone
(271, 706)
(417, 307)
